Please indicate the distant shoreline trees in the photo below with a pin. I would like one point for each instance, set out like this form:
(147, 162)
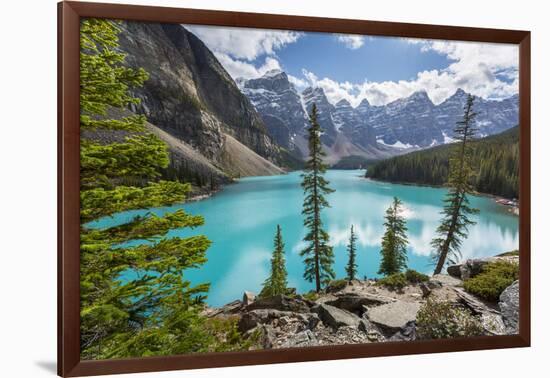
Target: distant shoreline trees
(496, 159)
(457, 209)
(394, 241)
(318, 254)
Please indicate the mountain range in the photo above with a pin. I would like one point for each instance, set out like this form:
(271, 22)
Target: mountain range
(219, 128)
(414, 122)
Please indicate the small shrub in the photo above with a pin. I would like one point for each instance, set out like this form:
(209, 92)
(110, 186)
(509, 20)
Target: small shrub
(311, 296)
(413, 276)
(394, 281)
(336, 285)
(510, 253)
(398, 281)
(441, 320)
(493, 279)
(226, 336)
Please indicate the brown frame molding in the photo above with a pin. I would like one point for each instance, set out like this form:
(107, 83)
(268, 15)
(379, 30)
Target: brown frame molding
(69, 14)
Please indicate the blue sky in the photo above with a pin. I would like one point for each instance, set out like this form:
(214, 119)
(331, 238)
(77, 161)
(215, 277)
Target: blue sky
(353, 67)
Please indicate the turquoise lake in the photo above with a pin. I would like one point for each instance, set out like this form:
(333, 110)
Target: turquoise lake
(241, 220)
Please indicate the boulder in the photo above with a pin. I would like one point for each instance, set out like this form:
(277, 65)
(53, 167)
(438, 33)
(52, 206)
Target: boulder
(454, 270)
(509, 307)
(468, 269)
(335, 317)
(439, 280)
(355, 303)
(493, 324)
(407, 333)
(393, 317)
(280, 302)
(248, 298)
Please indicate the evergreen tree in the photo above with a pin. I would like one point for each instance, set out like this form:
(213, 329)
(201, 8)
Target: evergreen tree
(276, 283)
(134, 299)
(351, 267)
(318, 255)
(457, 209)
(394, 241)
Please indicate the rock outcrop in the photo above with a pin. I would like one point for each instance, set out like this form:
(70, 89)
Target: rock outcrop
(190, 96)
(363, 311)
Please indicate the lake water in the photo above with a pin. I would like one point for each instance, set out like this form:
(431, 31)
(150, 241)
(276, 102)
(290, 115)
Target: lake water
(241, 220)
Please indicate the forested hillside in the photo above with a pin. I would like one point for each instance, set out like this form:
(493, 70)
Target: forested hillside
(496, 161)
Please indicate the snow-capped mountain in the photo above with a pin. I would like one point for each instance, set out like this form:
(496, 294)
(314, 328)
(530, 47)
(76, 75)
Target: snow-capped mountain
(410, 122)
(325, 113)
(352, 122)
(279, 105)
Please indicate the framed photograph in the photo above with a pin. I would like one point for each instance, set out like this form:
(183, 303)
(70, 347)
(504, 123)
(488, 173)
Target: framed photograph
(240, 188)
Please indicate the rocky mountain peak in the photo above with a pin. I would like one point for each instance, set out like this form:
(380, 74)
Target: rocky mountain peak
(343, 103)
(364, 104)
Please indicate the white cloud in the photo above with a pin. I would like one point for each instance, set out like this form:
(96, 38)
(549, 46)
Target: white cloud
(352, 42)
(483, 69)
(240, 68)
(300, 84)
(243, 43)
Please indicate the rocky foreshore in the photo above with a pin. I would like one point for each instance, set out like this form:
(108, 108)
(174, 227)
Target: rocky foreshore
(363, 311)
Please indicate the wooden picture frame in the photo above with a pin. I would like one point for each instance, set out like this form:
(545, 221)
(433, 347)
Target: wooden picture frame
(69, 15)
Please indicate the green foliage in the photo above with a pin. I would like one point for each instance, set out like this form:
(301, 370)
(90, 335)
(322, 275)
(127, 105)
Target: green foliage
(396, 281)
(493, 279)
(394, 241)
(335, 285)
(457, 210)
(276, 283)
(495, 159)
(137, 157)
(104, 79)
(413, 276)
(318, 254)
(351, 267)
(509, 253)
(441, 320)
(135, 300)
(311, 296)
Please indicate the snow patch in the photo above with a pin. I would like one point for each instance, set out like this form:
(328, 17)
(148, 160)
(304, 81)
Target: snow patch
(397, 144)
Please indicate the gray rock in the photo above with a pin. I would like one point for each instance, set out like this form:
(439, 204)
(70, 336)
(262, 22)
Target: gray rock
(229, 308)
(356, 303)
(248, 298)
(493, 324)
(407, 333)
(335, 317)
(395, 316)
(509, 307)
(252, 319)
(469, 268)
(301, 339)
(454, 270)
(267, 335)
(281, 303)
(474, 304)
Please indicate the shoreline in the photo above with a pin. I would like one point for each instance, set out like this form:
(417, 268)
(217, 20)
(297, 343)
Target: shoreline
(513, 209)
